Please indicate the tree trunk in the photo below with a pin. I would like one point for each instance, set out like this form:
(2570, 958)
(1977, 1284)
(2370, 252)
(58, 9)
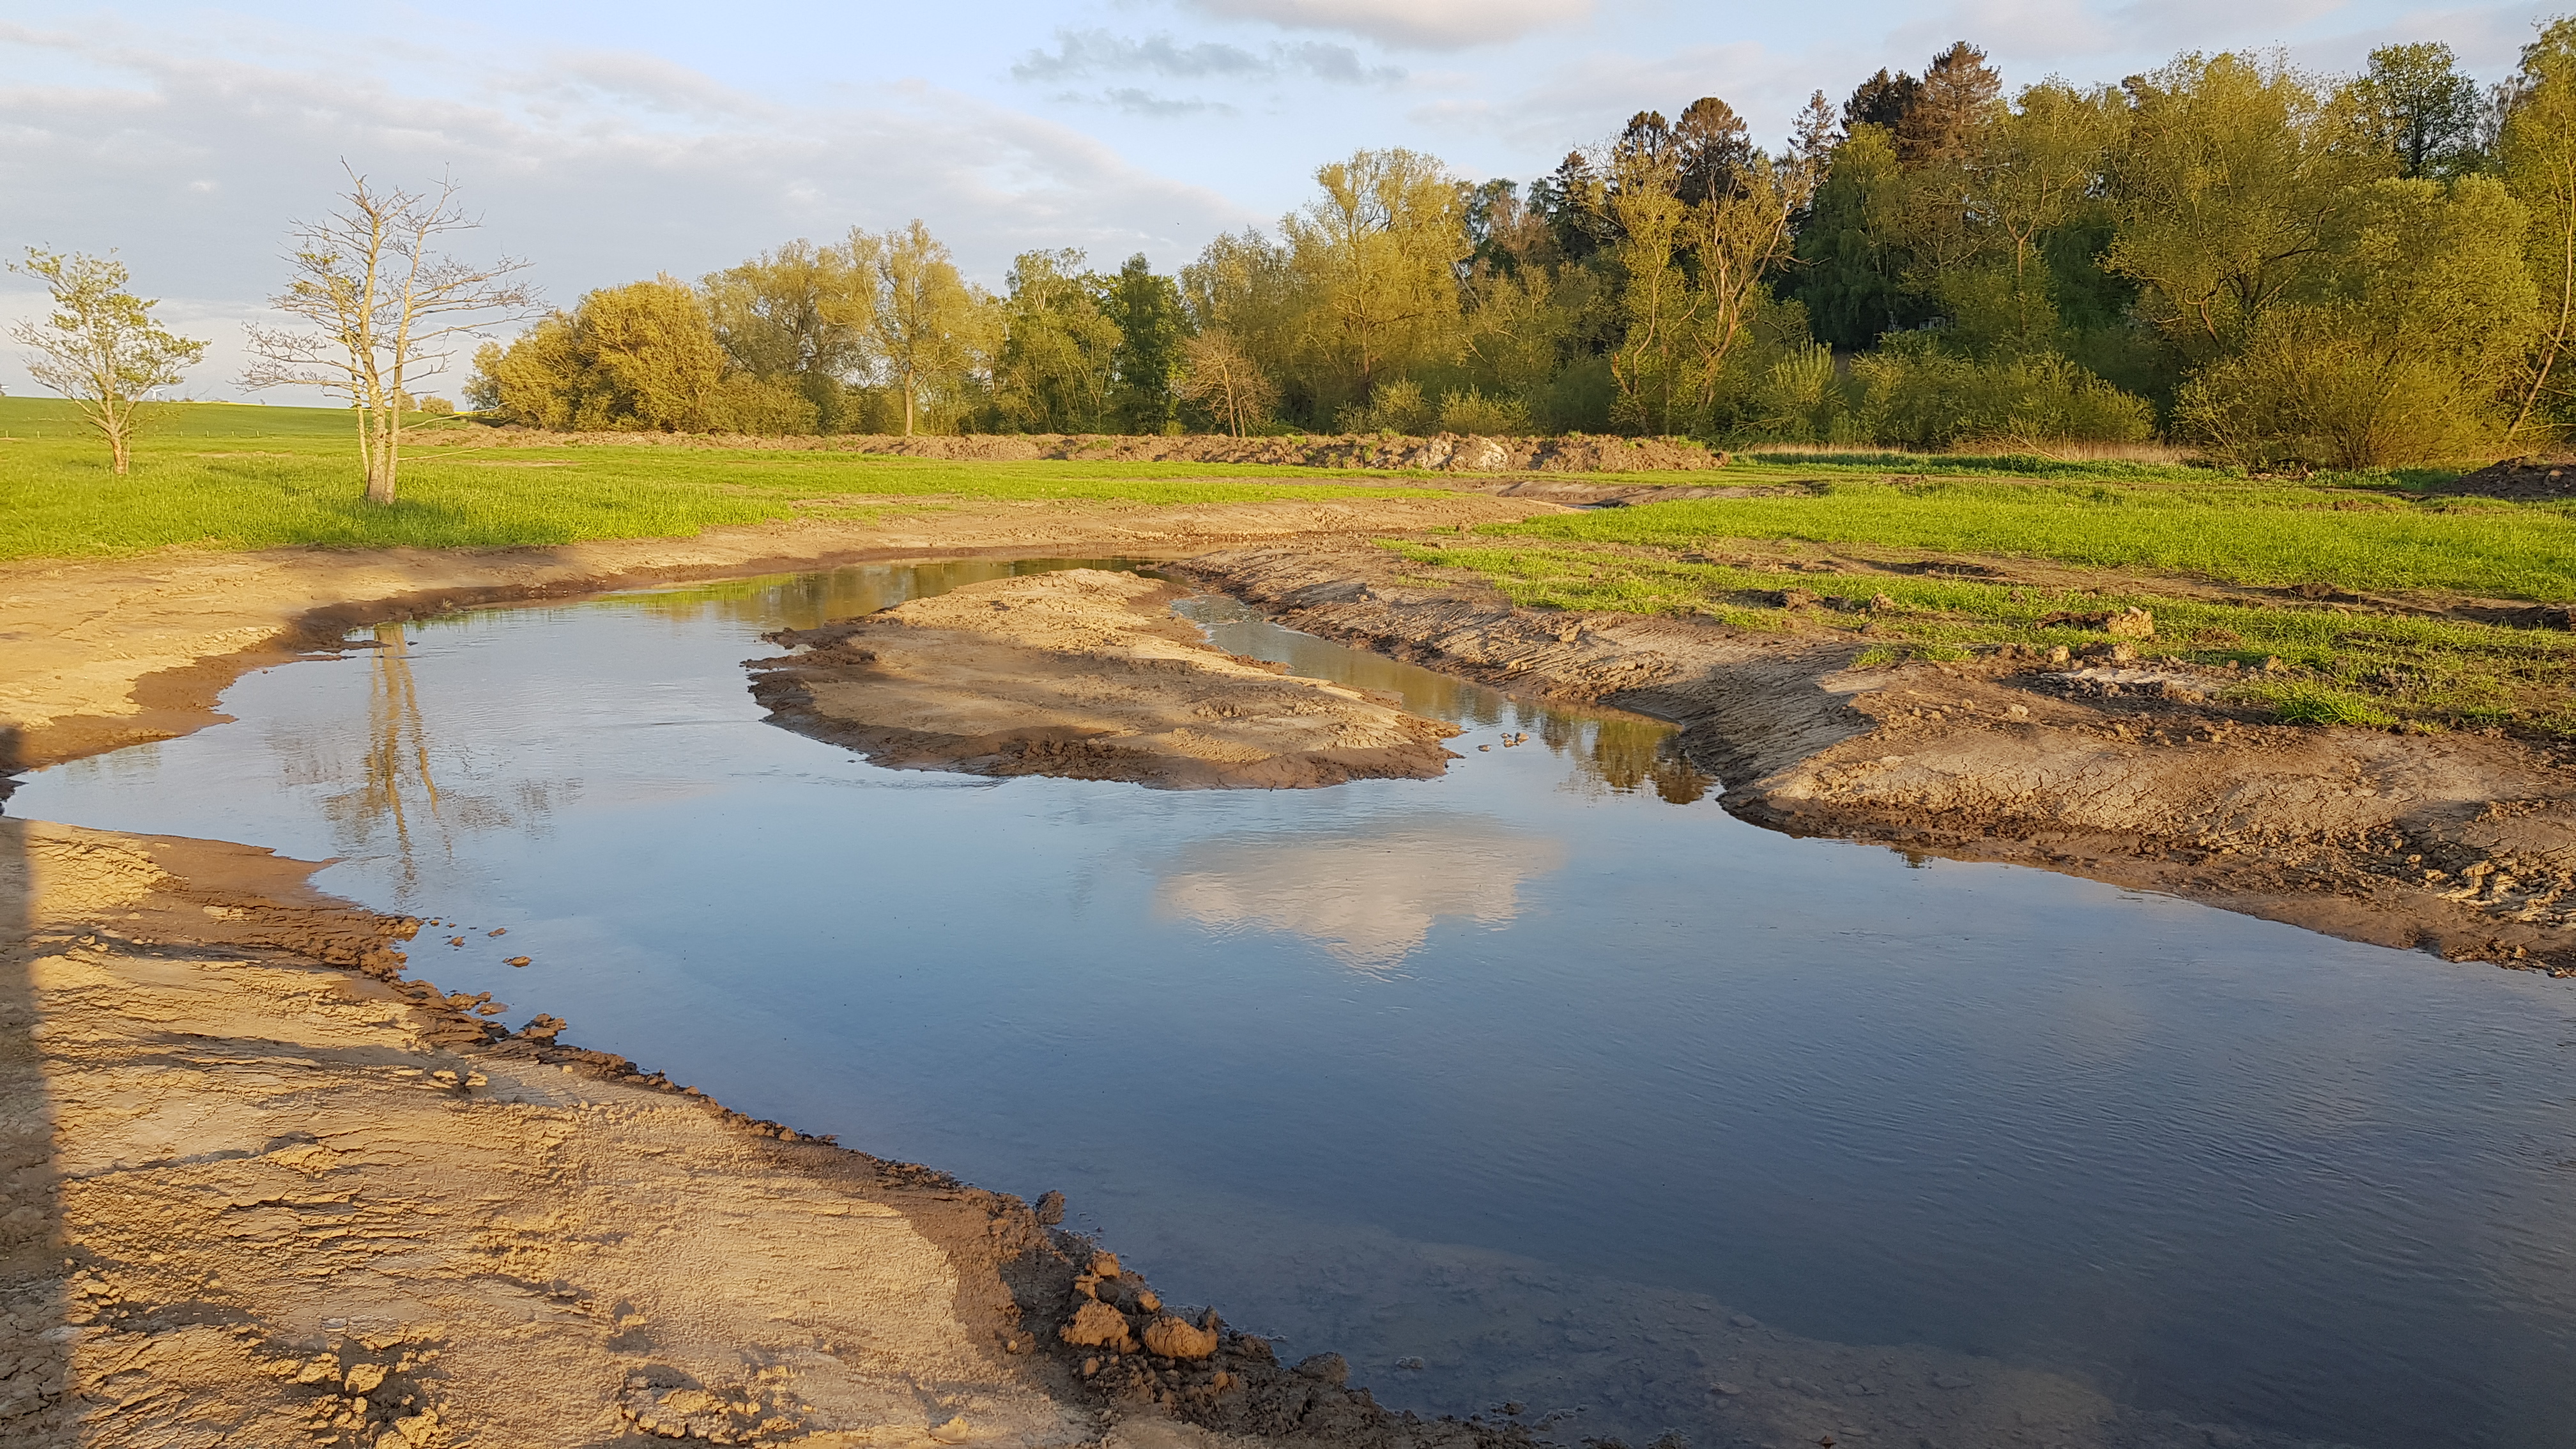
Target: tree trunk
(118, 445)
(907, 407)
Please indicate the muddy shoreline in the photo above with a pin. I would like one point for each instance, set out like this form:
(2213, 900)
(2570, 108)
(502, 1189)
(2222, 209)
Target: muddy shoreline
(2001, 760)
(344, 1207)
(2461, 845)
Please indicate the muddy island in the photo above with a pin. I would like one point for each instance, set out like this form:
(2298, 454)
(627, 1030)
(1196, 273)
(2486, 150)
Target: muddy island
(1086, 675)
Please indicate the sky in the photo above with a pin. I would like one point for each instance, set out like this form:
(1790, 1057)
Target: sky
(609, 142)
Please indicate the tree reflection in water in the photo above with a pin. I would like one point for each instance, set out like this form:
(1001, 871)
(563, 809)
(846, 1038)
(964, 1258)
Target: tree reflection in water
(397, 756)
(1623, 754)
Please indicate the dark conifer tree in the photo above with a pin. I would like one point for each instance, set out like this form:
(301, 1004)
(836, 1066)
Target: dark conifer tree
(1957, 90)
(1713, 150)
(1882, 100)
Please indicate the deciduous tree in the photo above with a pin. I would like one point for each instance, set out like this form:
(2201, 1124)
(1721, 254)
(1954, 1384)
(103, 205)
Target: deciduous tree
(2231, 192)
(99, 346)
(932, 329)
(2537, 155)
(2416, 105)
(1219, 376)
(1379, 253)
(380, 304)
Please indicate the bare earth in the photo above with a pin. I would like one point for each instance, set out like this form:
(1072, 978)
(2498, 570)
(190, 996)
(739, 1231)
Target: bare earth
(2461, 844)
(1082, 674)
(256, 1187)
(102, 653)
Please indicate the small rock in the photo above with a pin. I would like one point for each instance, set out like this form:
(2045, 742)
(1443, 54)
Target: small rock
(516, 961)
(2131, 624)
(1880, 603)
(498, 931)
(1514, 1407)
(1413, 1364)
(1950, 1381)
(1097, 1325)
(364, 1377)
(1330, 1368)
(1050, 1208)
(1723, 1387)
(1742, 1320)
(1104, 1264)
(952, 1432)
(1173, 1337)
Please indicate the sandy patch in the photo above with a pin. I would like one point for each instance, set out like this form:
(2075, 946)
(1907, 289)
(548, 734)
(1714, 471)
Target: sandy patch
(258, 1188)
(1082, 674)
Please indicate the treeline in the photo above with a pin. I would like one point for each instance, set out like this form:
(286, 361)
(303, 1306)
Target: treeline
(2275, 267)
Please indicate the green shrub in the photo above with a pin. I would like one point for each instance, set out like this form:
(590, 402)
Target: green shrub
(1911, 394)
(1471, 411)
(1396, 407)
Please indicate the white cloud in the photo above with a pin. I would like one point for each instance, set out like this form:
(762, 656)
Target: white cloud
(599, 166)
(1429, 24)
(1083, 53)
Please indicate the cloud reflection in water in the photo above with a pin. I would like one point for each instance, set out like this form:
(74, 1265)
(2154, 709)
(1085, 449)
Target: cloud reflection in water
(1369, 898)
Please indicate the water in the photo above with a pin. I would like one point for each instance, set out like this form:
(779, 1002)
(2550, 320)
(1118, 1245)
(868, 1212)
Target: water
(1535, 1071)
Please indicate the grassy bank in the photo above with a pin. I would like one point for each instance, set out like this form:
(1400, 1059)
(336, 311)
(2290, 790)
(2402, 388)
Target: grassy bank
(2222, 566)
(226, 476)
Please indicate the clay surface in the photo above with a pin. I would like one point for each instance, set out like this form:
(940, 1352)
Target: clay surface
(1083, 674)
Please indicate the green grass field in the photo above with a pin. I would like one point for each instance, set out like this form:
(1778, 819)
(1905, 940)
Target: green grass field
(2142, 540)
(228, 476)
(225, 476)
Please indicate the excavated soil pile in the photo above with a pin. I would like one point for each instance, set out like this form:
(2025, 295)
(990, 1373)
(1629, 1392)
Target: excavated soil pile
(258, 1189)
(2525, 480)
(1446, 452)
(2152, 776)
(1085, 675)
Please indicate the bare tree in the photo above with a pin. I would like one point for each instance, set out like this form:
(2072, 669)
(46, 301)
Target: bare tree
(100, 347)
(379, 306)
(1218, 376)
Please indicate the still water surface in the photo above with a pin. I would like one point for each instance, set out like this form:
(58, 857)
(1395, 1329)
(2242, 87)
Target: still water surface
(1398, 1066)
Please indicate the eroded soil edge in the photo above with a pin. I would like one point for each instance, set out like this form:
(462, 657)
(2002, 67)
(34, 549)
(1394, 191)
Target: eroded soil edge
(2461, 844)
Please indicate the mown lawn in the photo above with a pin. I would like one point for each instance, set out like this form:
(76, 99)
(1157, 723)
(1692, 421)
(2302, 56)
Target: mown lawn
(227, 476)
(2338, 662)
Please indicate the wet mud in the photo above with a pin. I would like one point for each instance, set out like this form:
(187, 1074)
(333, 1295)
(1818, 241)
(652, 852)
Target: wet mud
(1081, 674)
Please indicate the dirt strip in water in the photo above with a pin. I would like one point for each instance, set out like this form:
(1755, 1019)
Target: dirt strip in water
(1080, 674)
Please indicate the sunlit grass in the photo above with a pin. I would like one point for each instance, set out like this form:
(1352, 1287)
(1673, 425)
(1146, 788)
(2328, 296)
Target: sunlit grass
(221, 476)
(2386, 666)
(2240, 532)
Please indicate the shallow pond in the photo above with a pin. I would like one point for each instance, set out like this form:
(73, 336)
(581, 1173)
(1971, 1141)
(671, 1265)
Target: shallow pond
(1548, 1073)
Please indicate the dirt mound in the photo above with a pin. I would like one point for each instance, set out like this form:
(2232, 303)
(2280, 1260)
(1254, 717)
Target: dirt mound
(1446, 452)
(1083, 675)
(2525, 480)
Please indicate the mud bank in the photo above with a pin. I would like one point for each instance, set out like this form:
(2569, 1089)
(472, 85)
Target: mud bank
(106, 653)
(2463, 845)
(261, 1188)
(1444, 452)
(1081, 674)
